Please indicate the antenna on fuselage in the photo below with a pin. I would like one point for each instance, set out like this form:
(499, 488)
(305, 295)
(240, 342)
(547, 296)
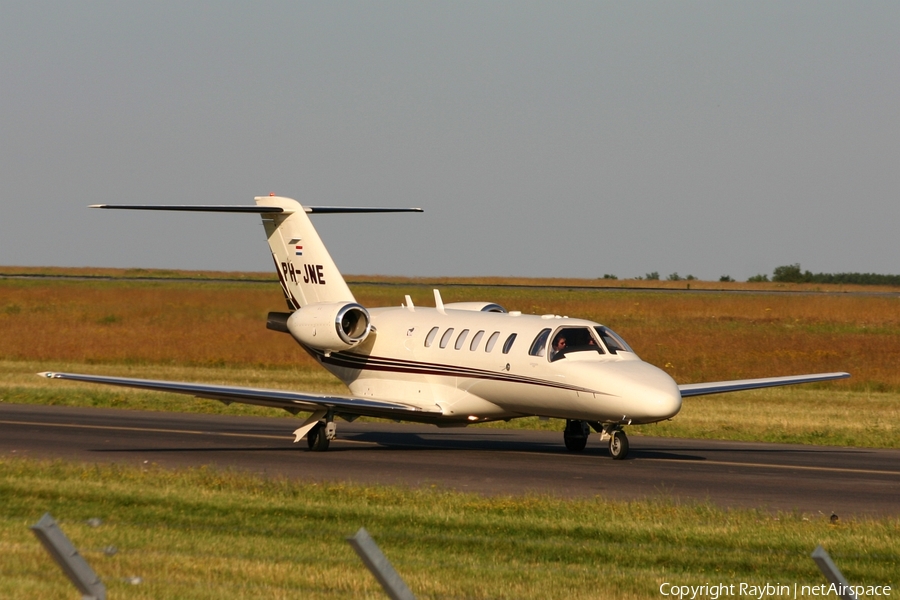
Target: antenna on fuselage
(438, 302)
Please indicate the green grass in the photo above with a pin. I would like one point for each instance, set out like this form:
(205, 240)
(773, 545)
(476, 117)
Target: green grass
(211, 534)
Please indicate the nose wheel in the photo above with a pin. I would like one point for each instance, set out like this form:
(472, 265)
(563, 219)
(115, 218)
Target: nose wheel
(576, 434)
(618, 444)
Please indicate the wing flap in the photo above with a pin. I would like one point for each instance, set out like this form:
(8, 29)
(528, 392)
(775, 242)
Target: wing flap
(292, 401)
(718, 387)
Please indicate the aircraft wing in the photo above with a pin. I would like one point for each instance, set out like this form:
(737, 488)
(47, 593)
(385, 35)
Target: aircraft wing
(718, 387)
(291, 401)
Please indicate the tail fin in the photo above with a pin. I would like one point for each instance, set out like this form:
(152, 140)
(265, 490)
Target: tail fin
(307, 272)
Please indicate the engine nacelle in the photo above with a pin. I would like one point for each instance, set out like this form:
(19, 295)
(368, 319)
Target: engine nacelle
(476, 306)
(330, 326)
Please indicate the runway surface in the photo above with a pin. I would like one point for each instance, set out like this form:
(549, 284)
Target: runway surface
(810, 479)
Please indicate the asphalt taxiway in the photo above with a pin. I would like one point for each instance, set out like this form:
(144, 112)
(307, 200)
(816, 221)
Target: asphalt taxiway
(776, 477)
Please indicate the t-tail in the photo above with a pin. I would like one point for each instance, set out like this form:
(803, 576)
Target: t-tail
(331, 320)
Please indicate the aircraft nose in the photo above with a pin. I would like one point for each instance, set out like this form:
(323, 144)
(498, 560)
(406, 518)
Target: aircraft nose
(665, 402)
(649, 393)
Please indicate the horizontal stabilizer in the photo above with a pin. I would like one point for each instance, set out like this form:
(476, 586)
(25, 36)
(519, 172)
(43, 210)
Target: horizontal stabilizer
(236, 208)
(253, 208)
(718, 387)
(322, 210)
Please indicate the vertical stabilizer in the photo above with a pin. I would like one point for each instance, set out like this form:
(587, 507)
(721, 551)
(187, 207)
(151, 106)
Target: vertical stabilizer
(307, 272)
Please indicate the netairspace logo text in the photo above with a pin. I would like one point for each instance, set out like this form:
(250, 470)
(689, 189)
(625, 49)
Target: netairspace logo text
(770, 590)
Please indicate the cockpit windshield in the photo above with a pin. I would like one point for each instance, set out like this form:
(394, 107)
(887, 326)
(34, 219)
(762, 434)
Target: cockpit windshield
(573, 339)
(614, 342)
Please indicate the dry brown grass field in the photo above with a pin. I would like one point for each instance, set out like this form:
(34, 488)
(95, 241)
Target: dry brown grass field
(216, 331)
(695, 337)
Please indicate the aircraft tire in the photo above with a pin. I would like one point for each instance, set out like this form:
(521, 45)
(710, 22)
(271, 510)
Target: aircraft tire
(574, 436)
(618, 445)
(316, 439)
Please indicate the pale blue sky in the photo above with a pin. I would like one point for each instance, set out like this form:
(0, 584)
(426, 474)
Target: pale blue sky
(543, 139)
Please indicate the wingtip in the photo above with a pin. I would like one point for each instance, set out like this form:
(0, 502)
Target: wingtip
(836, 375)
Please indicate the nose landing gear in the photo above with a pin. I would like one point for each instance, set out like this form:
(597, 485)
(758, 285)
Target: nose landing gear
(576, 434)
(618, 444)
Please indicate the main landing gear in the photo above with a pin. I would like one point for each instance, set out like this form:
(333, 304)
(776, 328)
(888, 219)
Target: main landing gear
(321, 434)
(576, 434)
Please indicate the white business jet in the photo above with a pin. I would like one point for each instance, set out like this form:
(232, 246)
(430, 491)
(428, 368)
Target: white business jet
(452, 364)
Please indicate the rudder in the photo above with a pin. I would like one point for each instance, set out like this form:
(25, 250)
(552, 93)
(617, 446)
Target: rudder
(306, 270)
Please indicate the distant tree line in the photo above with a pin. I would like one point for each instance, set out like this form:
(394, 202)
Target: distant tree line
(793, 274)
(654, 276)
(789, 274)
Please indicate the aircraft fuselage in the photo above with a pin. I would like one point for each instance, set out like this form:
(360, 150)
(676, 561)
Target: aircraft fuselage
(481, 366)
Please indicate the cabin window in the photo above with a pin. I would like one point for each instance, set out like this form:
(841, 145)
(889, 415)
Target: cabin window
(507, 345)
(445, 339)
(476, 339)
(613, 340)
(573, 339)
(430, 337)
(540, 343)
(491, 341)
(461, 339)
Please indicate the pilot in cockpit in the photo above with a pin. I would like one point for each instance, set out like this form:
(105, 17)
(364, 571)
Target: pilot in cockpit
(558, 348)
